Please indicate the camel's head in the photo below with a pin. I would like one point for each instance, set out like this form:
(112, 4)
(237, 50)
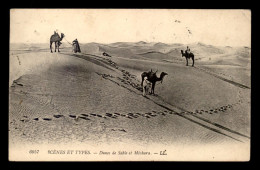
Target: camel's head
(162, 76)
(62, 35)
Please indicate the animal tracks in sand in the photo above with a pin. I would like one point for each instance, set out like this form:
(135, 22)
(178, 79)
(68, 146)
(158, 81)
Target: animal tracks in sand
(133, 85)
(57, 116)
(130, 80)
(151, 114)
(93, 116)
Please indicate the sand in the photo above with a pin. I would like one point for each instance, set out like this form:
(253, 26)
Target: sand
(92, 99)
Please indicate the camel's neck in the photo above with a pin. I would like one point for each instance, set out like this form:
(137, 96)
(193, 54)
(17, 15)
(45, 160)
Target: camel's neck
(159, 78)
(61, 37)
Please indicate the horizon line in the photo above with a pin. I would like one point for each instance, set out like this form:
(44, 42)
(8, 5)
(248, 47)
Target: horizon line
(148, 42)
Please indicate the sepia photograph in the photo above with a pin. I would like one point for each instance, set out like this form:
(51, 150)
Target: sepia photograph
(129, 85)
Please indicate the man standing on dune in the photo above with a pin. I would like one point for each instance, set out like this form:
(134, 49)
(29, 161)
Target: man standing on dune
(75, 44)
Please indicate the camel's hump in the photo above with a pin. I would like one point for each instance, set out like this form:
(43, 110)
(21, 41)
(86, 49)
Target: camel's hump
(55, 38)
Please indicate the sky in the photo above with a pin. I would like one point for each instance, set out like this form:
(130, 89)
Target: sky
(213, 27)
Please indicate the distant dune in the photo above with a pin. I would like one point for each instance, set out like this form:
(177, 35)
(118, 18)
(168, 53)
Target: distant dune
(204, 54)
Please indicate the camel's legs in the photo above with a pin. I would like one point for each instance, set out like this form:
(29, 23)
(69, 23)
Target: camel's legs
(51, 46)
(55, 45)
(186, 61)
(192, 61)
(142, 80)
(152, 89)
(58, 46)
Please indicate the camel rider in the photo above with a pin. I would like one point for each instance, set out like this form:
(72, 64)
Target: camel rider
(151, 72)
(56, 32)
(188, 51)
(75, 42)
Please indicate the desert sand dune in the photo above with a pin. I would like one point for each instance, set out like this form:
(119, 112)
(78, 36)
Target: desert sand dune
(90, 98)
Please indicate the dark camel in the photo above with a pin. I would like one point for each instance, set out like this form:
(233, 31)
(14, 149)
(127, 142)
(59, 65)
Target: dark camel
(152, 77)
(57, 41)
(188, 56)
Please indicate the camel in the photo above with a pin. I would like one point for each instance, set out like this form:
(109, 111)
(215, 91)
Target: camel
(57, 41)
(188, 56)
(152, 77)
